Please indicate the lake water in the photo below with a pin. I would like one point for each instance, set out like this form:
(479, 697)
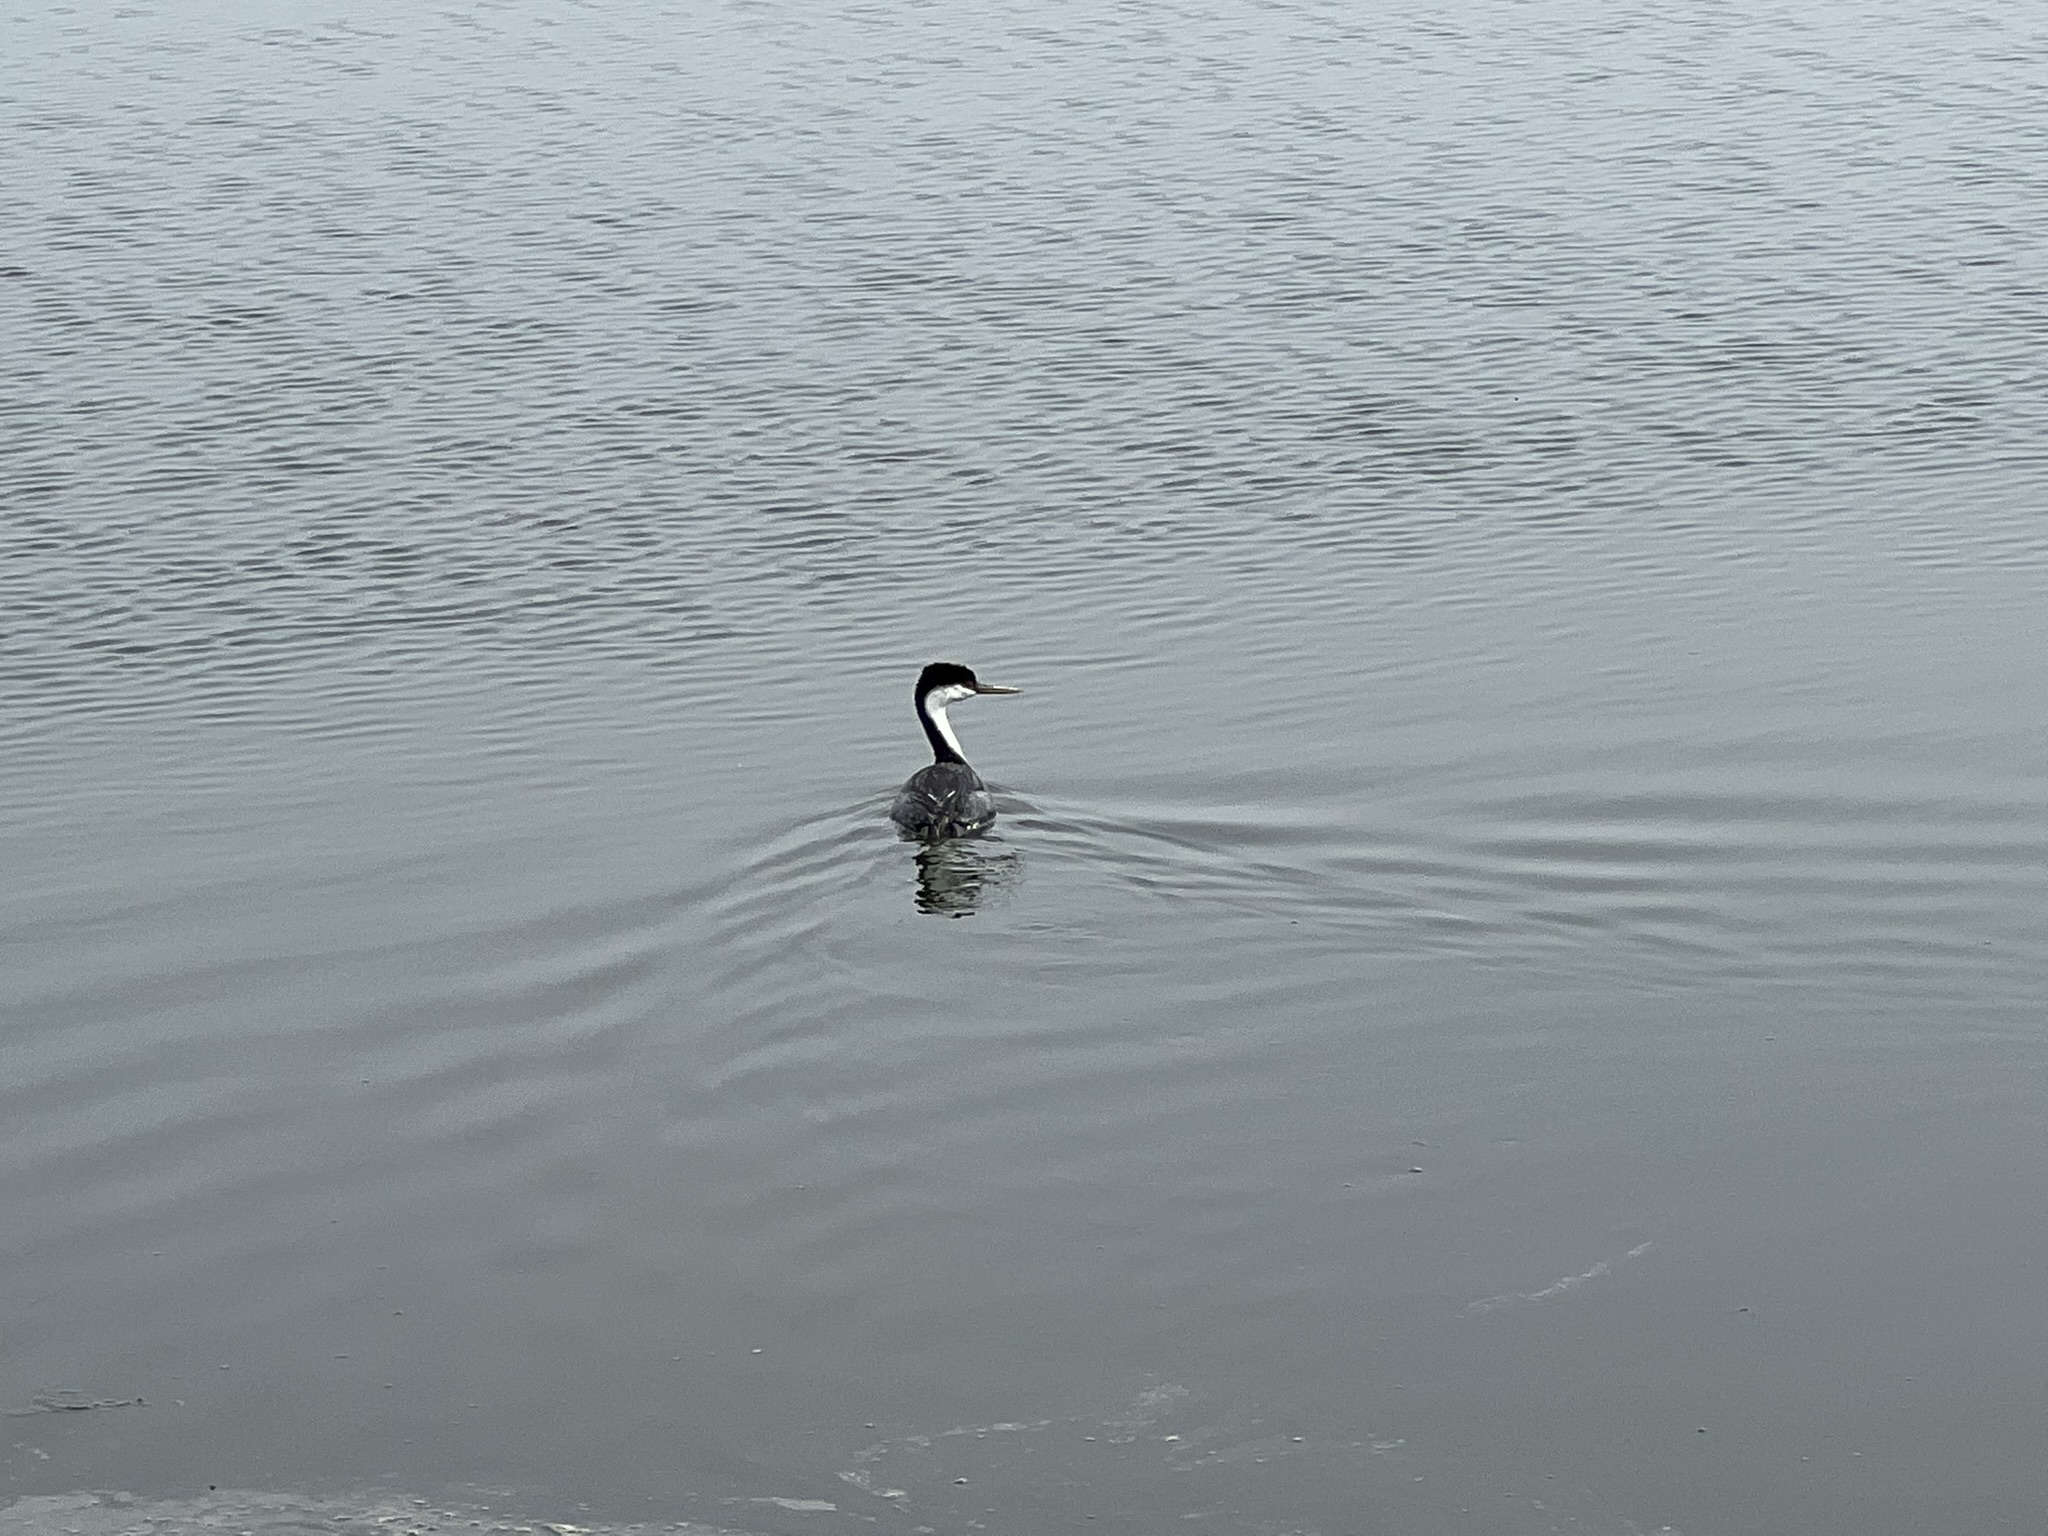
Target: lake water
(1506, 996)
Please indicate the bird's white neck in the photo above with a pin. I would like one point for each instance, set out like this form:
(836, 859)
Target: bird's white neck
(934, 704)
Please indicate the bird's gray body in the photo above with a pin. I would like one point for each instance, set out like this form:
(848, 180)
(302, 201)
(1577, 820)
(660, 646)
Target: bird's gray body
(943, 800)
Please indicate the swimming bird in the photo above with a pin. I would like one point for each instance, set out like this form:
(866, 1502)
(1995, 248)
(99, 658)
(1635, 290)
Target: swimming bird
(947, 799)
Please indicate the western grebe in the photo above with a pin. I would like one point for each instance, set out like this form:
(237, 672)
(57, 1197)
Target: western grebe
(947, 799)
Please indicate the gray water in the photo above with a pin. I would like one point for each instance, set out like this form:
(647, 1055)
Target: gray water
(1506, 994)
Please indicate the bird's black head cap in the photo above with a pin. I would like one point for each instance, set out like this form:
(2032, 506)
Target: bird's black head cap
(945, 674)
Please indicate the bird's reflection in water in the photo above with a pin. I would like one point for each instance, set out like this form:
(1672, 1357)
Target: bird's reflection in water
(957, 877)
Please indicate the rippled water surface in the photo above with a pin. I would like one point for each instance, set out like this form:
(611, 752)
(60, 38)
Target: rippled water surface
(1506, 994)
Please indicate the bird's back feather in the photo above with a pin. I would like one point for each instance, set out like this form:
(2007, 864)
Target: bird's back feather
(944, 800)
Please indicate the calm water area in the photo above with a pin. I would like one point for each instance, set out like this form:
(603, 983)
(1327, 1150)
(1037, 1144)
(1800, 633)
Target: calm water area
(1507, 992)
